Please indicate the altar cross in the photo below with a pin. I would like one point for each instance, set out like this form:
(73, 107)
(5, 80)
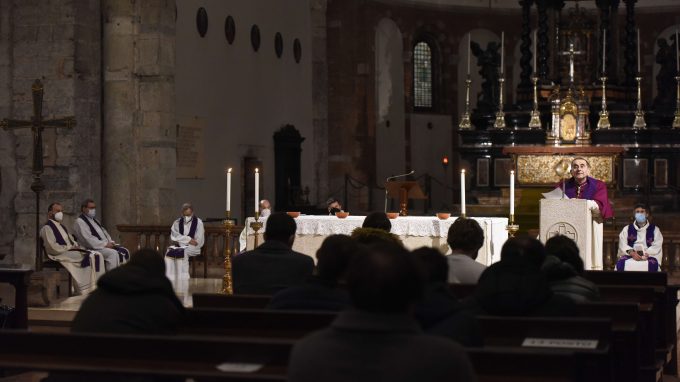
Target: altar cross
(571, 53)
(37, 124)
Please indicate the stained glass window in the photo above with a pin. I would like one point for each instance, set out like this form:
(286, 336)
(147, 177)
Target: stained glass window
(422, 75)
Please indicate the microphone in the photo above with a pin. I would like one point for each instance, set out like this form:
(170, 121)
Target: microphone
(392, 178)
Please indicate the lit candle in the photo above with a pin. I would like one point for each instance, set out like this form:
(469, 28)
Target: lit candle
(229, 189)
(677, 53)
(468, 54)
(535, 52)
(257, 190)
(638, 49)
(604, 51)
(502, 50)
(462, 192)
(512, 192)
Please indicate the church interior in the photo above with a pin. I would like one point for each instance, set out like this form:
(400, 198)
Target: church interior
(431, 111)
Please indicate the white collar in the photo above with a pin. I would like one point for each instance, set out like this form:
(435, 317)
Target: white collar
(635, 224)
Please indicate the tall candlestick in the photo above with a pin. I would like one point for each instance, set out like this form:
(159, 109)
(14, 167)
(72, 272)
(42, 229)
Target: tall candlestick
(677, 53)
(257, 190)
(638, 49)
(229, 189)
(512, 192)
(502, 50)
(535, 53)
(468, 54)
(604, 51)
(462, 192)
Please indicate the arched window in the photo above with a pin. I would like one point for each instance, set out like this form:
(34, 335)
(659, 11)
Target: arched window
(422, 76)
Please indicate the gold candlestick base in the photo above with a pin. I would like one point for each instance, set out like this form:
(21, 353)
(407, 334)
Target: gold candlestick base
(603, 122)
(499, 123)
(676, 120)
(256, 226)
(512, 227)
(535, 121)
(465, 123)
(227, 280)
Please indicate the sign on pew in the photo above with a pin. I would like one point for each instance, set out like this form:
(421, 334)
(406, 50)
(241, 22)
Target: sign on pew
(559, 343)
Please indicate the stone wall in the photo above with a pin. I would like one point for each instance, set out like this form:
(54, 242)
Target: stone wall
(59, 43)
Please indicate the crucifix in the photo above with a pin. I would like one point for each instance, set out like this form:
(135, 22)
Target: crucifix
(37, 124)
(571, 53)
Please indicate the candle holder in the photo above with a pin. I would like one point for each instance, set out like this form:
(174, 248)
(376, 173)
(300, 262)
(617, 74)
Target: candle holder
(499, 123)
(227, 280)
(535, 121)
(676, 120)
(639, 122)
(512, 227)
(256, 227)
(465, 123)
(603, 122)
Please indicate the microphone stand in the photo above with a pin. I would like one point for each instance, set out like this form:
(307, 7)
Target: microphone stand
(392, 178)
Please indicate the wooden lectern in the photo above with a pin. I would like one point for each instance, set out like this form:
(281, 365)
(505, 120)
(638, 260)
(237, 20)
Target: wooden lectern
(404, 191)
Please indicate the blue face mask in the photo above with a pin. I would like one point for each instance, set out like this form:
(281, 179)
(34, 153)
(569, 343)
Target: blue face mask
(640, 217)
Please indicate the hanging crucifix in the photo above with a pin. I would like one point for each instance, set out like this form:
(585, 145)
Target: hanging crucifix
(571, 53)
(37, 125)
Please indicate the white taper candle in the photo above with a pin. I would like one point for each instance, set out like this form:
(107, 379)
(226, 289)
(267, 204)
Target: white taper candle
(502, 50)
(257, 190)
(229, 189)
(512, 192)
(462, 192)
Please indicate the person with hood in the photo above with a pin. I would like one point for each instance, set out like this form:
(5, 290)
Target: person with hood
(563, 268)
(515, 286)
(133, 298)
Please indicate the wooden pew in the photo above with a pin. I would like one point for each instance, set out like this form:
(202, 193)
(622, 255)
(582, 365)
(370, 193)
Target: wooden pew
(223, 301)
(254, 322)
(189, 357)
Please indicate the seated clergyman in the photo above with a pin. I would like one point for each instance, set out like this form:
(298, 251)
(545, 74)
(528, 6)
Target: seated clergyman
(85, 266)
(188, 234)
(640, 244)
(91, 234)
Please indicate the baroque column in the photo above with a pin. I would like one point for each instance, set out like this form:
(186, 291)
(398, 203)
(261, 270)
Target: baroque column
(630, 54)
(525, 47)
(544, 56)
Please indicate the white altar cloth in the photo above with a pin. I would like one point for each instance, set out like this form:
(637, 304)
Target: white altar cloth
(414, 231)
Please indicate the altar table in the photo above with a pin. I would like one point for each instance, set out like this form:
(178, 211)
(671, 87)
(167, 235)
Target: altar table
(414, 231)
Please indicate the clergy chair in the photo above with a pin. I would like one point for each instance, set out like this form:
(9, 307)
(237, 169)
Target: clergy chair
(203, 257)
(46, 262)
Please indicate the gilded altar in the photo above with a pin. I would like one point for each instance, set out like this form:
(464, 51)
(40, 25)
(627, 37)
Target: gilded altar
(535, 165)
(569, 118)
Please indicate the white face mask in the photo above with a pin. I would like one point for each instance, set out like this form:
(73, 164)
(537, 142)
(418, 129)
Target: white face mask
(92, 213)
(59, 216)
(187, 219)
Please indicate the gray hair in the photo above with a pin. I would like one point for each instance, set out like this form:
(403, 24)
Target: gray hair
(187, 205)
(86, 202)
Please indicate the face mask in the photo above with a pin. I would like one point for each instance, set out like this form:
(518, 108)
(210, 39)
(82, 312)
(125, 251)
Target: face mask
(187, 219)
(640, 217)
(58, 216)
(92, 213)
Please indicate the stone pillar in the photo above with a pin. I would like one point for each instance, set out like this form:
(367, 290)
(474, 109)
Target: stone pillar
(139, 121)
(525, 47)
(320, 96)
(544, 56)
(60, 43)
(630, 53)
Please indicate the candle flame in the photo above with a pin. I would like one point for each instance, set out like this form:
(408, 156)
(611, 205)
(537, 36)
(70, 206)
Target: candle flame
(462, 170)
(229, 170)
(257, 170)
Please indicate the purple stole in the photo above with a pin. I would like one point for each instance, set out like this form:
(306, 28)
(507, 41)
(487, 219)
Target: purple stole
(123, 254)
(587, 191)
(653, 263)
(178, 253)
(60, 240)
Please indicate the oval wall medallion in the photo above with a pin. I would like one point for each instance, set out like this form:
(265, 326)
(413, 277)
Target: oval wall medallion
(202, 21)
(255, 37)
(278, 44)
(229, 29)
(297, 50)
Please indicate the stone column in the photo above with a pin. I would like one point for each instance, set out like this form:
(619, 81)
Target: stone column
(320, 96)
(60, 43)
(544, 57)
(525, 47)
(139, 120)
(630, 53)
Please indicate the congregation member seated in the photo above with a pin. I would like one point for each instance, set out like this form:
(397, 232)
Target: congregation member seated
(563, 268)
(91, 234)
(274, 265)
(333, 205)
(515, 286)
(325, 291)
(85, 266)
(465, 238)
(377, 220)
(640, 244)
(379, 340)
(188, 235)
(133, 298)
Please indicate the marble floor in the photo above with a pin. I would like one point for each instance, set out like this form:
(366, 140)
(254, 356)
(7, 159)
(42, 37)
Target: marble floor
(65, 309)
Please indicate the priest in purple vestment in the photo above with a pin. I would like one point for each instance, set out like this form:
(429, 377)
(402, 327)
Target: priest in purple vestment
(582, 186)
